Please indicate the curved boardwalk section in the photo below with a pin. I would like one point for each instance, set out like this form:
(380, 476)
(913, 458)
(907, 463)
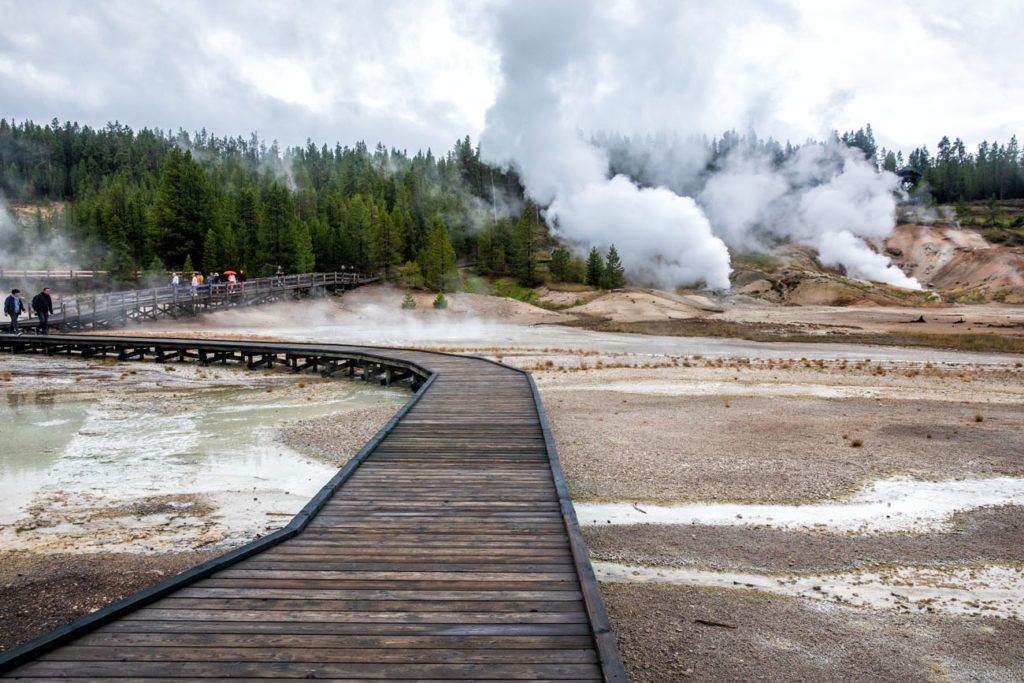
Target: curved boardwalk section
(448, 549)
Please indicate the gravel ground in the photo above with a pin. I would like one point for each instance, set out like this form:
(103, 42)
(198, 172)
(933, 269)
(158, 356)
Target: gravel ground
(758, 449)
(38, 593)
(336, 441)
(783, 639)
(988, 535)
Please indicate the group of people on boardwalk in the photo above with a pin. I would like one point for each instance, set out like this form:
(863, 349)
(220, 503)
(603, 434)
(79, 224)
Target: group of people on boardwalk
(231, 278)
(42, 305)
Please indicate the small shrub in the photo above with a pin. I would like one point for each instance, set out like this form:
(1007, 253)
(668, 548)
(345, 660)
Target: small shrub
(856, 443)
(979, 418)
(408, 302)
(440, 301)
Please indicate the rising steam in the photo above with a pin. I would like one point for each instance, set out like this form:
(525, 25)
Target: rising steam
(31, 247)
(570, 64)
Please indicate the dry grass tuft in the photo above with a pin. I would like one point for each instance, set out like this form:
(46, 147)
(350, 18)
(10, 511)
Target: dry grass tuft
(856, 443)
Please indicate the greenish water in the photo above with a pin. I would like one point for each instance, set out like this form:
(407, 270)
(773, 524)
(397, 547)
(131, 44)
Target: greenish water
(63, 459)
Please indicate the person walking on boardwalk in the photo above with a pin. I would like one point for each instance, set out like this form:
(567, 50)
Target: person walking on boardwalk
(42, 304)
(279, 276)
(14, 307)
(195, 283)
(175, 282)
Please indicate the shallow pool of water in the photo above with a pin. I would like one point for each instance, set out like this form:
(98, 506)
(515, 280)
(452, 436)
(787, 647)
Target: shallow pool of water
(142, 469)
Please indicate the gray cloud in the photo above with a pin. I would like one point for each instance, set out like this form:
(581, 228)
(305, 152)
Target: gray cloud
(410, 74)
(418, 73)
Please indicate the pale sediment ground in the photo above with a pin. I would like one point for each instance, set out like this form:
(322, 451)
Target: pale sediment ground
(709, 432)
(886, 506)
(1002, 319)
(776, 638)
(989, 590)
(989, 535)
(754, 445)
(335, 441)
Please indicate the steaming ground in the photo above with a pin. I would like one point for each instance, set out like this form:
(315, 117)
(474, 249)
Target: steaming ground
(705, 423)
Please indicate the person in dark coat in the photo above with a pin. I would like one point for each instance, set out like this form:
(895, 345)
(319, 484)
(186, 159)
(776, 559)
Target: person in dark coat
(13, 308)
(42, 304)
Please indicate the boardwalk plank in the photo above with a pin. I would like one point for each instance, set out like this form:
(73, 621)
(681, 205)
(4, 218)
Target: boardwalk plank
(446, 553)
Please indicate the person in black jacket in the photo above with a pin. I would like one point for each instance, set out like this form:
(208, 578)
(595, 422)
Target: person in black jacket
(42, 304)
(14, 307)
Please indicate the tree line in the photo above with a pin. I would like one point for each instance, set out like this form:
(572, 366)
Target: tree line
(953, 174)
(157, 201)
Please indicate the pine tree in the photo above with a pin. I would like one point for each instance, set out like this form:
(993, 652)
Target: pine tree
(614, 276)
(302, 259)
(248, 221)
(358, 233)
(227, 244)
(404, 223)
(595, 268)
(386, 248)
(524, 246)
(437, 260)
(182, 210)
(275, 240)
(210, 258)
(576, 271)
(187, 268)
(559, 265)
(411, 275)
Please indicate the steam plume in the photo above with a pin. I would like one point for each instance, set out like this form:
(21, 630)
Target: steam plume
(24, 247)
(665, 66)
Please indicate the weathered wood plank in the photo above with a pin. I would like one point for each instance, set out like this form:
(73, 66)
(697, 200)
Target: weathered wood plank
(444, 553)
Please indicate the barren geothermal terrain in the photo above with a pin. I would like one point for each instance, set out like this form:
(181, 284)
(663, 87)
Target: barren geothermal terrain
(787, 510)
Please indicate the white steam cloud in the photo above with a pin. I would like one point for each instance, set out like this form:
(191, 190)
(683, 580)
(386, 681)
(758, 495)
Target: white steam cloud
(665, 66)
(26, 246)
(826, 196)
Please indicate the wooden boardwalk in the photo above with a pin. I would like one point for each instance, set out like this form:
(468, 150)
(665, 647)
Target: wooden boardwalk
(117, 309)
(447, 550)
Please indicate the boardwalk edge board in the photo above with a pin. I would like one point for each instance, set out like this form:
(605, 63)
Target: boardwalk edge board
(610, 662)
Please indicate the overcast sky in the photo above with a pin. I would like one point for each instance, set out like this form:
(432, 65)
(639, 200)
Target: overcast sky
(423, 73)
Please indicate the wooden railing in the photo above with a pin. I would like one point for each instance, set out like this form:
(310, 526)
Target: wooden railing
(185, 297)
(61, 274)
